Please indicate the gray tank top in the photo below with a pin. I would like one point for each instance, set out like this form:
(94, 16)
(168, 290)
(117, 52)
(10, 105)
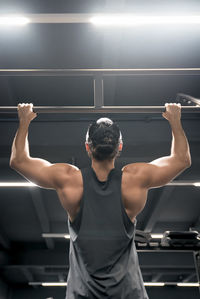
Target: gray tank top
(103, 258)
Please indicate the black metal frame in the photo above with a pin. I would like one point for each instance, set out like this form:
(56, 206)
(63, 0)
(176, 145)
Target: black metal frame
(98, 76)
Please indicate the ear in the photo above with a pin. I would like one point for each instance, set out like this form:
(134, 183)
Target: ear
(120, 146)
(87, 147)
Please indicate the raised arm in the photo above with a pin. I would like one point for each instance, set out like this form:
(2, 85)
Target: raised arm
(38, 171)
(163, 170)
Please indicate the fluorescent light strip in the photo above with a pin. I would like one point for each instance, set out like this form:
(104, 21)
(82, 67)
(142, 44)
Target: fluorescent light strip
(184, 183)
(14, 20)
(17, 184)
(48, 284)
(99, 19)
(197, 184)
(147, 284)
(66, 236)
(29, 184)
(157, 236)
(188, 284)
(135, 20)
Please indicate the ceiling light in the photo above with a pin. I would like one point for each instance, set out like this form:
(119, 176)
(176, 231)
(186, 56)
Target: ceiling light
(148, 284)
(157, 236)
(17, 184)
(131, 20)
(55, 235)
(14, 20)
(188, 284)
(197, 184)
(30, 184)
(154, 284)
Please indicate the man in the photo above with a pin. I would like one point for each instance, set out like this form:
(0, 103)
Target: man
(102, 203)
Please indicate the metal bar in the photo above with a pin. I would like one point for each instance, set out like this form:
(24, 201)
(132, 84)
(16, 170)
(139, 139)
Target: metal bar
(98, 91)
(187, 98)
(103, 72)
(104, 109)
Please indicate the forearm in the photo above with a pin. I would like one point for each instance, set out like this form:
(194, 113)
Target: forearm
(20, 146)
(180, 147)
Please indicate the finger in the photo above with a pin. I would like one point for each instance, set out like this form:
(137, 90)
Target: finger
(29, 104)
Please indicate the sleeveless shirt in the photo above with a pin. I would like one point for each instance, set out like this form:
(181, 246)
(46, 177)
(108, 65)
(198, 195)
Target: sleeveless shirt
(103, 261)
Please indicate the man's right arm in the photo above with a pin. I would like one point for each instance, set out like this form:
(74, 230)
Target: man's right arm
(163, 170)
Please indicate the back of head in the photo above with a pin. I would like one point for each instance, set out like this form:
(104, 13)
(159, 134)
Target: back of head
(103, 137)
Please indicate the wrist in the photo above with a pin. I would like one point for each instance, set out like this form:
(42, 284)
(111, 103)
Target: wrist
(175, 124)
(24, 122)
(24, 125)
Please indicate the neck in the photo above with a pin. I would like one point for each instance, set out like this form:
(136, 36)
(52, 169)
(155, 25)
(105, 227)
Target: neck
(106, 165)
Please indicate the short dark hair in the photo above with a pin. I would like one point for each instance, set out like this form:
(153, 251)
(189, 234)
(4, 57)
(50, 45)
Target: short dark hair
(104, 137)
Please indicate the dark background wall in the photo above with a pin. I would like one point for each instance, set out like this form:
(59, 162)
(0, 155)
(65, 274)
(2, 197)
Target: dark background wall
(4, 290)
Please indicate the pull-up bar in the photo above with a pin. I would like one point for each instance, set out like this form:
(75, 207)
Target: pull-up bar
(100, 72)
(100, 108)
(98, 80)
(104, 109)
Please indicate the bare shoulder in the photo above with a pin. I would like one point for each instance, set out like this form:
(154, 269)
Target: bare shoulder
(135, 168)
(158, 172)
(142, 173)
(136, 171)
(66, 173)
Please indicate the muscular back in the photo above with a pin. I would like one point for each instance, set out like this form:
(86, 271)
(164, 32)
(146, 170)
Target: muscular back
(133, 194)
(137, 178)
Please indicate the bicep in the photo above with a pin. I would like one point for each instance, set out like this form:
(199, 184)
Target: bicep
(38, 171)
(163, 170)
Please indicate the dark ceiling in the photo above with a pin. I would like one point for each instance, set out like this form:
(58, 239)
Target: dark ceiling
(27, 213)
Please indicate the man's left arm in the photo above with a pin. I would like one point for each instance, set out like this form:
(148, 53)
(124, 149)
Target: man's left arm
(38, 171)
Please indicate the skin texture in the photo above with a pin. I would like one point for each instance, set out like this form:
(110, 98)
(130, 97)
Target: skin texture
(67, 180)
